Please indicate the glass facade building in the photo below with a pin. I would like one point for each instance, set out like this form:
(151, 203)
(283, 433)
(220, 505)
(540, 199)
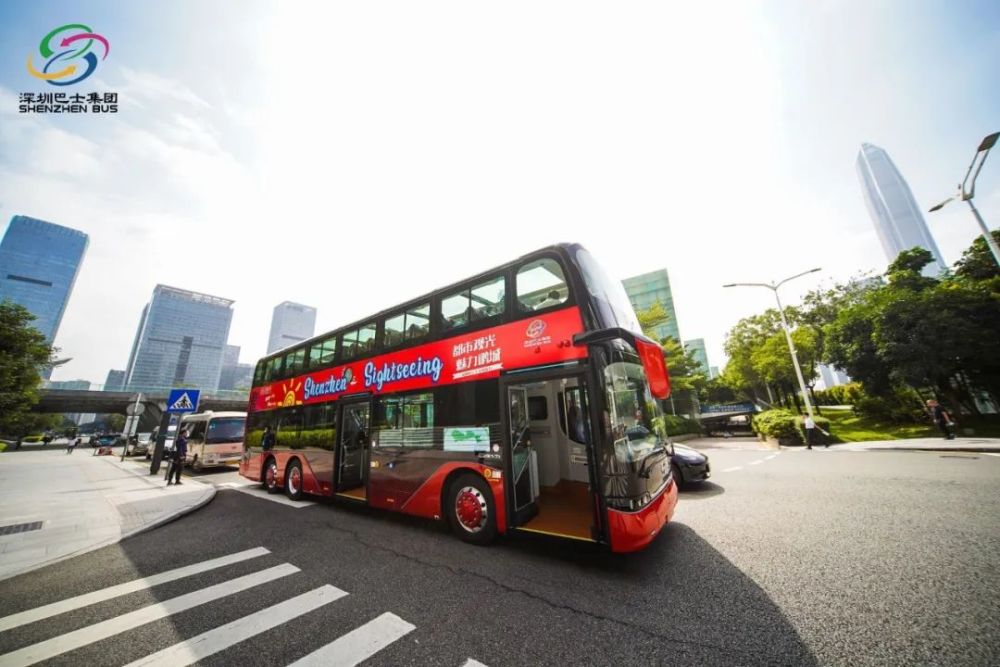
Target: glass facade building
(115, 381)
(696, 347)
(234, 376)
(897, 218)
(39, 262)
(180, 341)
(645, 290)
(291, 323)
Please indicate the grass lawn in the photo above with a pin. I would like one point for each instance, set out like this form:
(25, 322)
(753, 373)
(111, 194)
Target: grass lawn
(848, 427)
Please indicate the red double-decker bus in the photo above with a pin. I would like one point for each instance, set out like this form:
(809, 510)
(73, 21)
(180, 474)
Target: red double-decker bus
(522, 399)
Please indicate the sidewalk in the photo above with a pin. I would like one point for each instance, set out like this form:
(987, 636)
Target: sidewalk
(970, 444)
(915, 444)
(76, 503)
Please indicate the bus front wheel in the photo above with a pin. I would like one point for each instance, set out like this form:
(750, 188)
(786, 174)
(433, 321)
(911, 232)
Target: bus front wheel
(271, 477)
(471, 510)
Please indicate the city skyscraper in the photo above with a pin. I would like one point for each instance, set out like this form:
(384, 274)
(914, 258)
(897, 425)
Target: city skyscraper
(696, 346)
(115, 381)
(897, 218)
(291, 323)
(39, 262)
(234, 374)
(645, 290)
(180, 341)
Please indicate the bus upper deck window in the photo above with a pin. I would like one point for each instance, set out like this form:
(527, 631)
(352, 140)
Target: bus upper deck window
(540, 285)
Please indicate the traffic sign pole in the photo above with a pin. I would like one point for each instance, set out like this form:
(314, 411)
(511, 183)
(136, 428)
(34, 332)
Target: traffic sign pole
(179, 403)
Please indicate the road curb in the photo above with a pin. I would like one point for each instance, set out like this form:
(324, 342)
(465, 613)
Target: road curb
(208, 494)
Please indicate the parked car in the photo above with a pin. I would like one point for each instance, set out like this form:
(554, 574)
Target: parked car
(139, 444)
(689, 466)
(108, 440)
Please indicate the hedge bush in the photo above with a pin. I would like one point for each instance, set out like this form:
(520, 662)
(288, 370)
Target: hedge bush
(785, 425)
(844, 394)
(676, 425)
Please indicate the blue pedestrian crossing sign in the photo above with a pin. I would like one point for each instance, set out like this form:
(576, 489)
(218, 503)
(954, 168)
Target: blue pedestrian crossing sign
(183, 400)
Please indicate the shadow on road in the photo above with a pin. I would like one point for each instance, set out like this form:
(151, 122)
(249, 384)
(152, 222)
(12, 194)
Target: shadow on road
(701, 491)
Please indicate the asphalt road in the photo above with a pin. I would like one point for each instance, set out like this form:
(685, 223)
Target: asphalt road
(799, 558)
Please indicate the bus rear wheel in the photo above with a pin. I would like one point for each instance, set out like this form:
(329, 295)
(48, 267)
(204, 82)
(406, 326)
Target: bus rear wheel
(470, 509)
(293, 481)
(271, 477)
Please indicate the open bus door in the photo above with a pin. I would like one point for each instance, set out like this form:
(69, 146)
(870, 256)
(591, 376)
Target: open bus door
(551, 460)
(523, 458)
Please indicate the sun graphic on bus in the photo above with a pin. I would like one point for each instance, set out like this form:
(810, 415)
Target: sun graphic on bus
(289, 390)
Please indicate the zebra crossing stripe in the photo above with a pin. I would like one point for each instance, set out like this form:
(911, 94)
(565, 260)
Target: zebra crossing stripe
(50, 648)
(472, 663)
(358, 644)
(69, 604)
(192, 650)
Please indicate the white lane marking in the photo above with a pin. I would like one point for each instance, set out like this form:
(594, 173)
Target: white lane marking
(69, 604)
(733, 469)
(757, 462)
(50, 648)
(768, 458)
(208, 643)
(258, 492)
(358, 644)
(473, 663)
(991, 454)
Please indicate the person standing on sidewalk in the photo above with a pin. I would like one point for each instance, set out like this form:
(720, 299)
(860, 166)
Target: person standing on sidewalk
(180, 453)
(941, 419)
(810, 428)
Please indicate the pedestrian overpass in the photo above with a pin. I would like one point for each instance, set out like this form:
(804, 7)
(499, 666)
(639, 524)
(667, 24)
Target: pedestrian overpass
(117, 402)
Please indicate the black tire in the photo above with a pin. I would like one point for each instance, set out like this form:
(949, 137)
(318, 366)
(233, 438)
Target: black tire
(678, 477)
(293, 481)
(270, 480)
(470, 509)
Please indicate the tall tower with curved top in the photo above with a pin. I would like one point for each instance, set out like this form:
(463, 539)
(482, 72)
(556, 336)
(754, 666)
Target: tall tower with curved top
(897, 218)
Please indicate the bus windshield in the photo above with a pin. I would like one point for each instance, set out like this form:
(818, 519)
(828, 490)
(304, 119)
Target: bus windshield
(637, 423)
(225, 430)
(616, 309)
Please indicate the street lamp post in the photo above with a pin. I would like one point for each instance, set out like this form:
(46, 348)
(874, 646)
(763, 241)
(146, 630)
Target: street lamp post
(784, 325)
(966, 194)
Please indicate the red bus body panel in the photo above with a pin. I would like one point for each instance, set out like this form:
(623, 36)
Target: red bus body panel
(631, 531)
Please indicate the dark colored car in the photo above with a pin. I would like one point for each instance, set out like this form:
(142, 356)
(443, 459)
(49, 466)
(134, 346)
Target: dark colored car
(108, 440)
(689, 465)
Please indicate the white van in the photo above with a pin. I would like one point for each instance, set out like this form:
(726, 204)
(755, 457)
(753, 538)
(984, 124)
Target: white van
(214, 438)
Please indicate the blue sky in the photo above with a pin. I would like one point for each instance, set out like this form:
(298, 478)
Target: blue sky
(352, 155)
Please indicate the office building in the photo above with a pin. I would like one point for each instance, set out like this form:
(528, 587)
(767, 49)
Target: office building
(897, 218)
(180, 341)
(696, 348)
(831, 377)
(39, 262)
(234, 376)
(713, 372)
(291, 323)
(115, 381)
(645, 290)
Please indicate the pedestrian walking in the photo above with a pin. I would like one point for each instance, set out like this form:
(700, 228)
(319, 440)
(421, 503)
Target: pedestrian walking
(810, 428)
(941, 419)
(72, 445)
(180, 453)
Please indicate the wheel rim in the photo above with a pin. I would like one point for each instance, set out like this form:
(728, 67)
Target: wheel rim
(271, 475)
(294, 478)
(471, 509)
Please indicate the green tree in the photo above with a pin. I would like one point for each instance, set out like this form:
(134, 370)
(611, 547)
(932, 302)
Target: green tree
(24, 353)
(686, 374)
(978, 263)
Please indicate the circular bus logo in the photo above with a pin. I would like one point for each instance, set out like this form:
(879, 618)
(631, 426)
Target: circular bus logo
(68, 56)
(535, 329)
